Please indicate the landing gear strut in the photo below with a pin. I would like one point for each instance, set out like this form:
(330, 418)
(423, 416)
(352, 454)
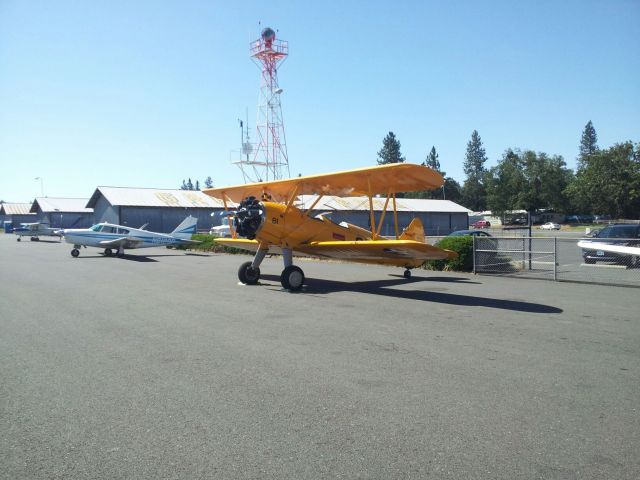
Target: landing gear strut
(249, 272)
(292, 277)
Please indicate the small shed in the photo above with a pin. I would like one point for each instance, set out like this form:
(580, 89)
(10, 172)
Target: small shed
(161, 209)
(62, 212)
(439, 217)
(16, 213)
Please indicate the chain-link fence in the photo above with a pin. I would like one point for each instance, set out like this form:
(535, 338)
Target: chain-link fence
(556, 258)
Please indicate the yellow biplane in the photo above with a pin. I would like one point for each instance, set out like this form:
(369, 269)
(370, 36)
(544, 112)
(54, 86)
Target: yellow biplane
(270, 221)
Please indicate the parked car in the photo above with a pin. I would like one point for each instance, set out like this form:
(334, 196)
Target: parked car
(550, 226)
(221, 230)
(625, 235)
(481, 224)
(475, 233)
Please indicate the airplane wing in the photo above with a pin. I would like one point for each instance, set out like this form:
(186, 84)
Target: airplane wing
(388, 252)
(125, 242)
(609, 248)
(390, 178)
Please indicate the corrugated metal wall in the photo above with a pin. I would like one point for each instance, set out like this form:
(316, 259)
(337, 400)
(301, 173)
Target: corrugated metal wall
(165, 220)
(435, 223)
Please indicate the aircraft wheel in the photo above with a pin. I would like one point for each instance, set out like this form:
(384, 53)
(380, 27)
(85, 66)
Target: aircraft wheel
(33, 239)
(18, 239)
(407, 274)
(108, 252)
(75, 252)
(248, 275)
(292, 278)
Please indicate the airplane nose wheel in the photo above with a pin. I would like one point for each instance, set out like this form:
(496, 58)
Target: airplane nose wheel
(75, 252)
(407, 274)
(292, 278)
(247, 274)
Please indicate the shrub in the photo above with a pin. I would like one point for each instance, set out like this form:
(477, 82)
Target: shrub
(463, 246)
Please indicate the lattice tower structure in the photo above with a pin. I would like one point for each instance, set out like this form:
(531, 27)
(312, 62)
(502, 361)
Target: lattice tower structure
(270, 160)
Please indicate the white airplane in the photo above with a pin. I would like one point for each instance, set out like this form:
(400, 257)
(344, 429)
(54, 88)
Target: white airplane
(110, 236)
(35, 230)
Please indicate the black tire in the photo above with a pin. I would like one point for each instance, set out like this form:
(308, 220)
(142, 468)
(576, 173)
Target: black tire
(108, 252)
(248, 275)
(407, 274)
(75, 252)
(18, 239)
(292, 278)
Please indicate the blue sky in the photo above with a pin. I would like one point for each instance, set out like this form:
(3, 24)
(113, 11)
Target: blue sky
(146, 93)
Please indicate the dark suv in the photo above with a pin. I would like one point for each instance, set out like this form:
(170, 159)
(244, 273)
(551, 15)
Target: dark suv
(623, 235)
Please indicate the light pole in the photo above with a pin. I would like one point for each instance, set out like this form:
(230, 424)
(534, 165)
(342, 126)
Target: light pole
(41, 185)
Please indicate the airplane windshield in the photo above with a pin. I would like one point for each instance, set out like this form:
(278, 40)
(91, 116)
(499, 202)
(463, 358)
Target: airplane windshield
(96, 228)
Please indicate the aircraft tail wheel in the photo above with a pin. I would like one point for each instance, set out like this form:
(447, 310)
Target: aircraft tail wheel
(407, 274)
(248, 275)
(292, 278)
(75, 252)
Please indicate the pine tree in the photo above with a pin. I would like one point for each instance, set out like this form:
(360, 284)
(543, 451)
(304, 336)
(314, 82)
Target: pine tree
(184, 185)
(189, 185)
(432, 160)
(473, 191)
(588, 143)
(208, 182)
(197, 185)
(390, 151)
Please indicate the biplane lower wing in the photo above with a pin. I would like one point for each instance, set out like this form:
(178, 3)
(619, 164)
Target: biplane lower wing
(401, 253)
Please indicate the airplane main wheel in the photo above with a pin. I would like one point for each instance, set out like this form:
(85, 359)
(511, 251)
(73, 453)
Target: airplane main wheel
(292, 278)
(18, 238)
(33, 239)
(75, 252)
(248, 275)
(407, 274)
(108, 252)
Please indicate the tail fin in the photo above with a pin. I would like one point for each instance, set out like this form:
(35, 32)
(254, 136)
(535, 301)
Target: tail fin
(415, 231)
(186, 228)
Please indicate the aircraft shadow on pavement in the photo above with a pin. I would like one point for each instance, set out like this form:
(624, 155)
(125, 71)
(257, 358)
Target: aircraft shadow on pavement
(381, 287)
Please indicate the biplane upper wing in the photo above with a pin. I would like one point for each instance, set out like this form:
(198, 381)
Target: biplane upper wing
(390, 252)
(383, 179)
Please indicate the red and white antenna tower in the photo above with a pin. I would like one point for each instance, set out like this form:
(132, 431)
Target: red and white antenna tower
(270, 160)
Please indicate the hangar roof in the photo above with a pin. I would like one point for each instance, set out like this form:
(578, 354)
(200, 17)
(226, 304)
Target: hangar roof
(15, 208)
(154, 197)
(402, 204)
(52, 204)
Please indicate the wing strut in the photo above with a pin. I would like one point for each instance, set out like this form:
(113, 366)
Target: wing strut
(372, 219)
(395, 216)
(384, 212)
(308, 212)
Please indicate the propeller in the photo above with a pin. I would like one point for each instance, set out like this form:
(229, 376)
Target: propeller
(249, 218)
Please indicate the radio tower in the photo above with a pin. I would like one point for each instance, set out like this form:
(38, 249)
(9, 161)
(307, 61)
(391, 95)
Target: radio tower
(270, 160)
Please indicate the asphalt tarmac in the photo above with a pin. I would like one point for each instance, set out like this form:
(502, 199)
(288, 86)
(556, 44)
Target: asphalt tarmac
(162, 366)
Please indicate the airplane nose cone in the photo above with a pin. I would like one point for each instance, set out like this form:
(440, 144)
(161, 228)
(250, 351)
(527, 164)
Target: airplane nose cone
(249, 218)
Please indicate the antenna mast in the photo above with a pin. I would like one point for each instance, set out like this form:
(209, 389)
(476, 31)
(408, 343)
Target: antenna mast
(269, 160)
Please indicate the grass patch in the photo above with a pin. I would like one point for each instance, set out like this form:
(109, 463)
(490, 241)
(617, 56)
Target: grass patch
(208, 244)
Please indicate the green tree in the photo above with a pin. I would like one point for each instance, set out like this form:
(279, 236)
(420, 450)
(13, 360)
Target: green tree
(390, 151)
(529, 181)
(208, 182)
(588, 142)
(473, 190)
(608, 182)
(432, 160)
